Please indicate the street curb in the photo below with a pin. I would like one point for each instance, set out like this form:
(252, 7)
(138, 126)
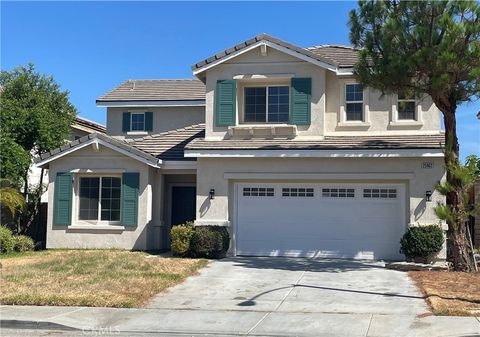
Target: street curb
(39, 325)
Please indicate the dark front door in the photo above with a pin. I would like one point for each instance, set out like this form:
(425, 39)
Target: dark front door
(183, 204)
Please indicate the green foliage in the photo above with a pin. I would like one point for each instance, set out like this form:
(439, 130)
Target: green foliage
(180, 237)
(428, 47)
(422, 241)
(35, 116)
(209, 242)
(23, 243)
(473, 162)
(14, 160)
(10, 197)
(7, 241)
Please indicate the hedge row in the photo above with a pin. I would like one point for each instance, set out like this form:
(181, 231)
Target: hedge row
(199, 241)
(14, 243)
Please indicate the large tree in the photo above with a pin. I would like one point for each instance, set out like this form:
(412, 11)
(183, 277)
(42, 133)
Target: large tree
(426, 48)
(35, 116)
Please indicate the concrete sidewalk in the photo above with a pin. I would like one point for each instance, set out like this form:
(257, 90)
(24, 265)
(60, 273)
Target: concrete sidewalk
(109, 321)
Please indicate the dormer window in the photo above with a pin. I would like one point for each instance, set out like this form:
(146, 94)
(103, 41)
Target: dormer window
(406, 106)
(267, 104)
(354, 102)
(138, 122)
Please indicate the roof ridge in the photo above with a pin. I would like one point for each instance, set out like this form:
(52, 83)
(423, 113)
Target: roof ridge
(331, 46)
(165, 79)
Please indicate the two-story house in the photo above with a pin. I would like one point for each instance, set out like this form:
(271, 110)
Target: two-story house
(279, 143)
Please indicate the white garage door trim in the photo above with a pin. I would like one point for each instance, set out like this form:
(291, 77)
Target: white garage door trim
(395, 204)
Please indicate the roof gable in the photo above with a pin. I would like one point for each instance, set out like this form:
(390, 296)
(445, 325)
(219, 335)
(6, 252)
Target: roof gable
(97, 139)
(321, 59)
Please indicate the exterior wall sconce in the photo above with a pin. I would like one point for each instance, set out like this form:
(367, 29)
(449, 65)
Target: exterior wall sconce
(428, 195)
(211, 194)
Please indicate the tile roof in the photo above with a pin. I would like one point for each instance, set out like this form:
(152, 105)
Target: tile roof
(109, 139)
(264, 37)
(165, 146)
(344, 56)
(89, 125)
(169, 145)
(329, 143)
(156, 90)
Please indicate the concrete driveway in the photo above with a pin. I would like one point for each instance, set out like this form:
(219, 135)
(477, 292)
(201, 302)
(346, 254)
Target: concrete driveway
(296, 285)
(261, 297)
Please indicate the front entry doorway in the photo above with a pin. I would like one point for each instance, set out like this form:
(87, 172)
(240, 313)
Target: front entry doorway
(183, 204)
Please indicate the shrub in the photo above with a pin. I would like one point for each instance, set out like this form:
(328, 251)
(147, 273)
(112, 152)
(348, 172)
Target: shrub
(7, 241)
(209, 242)
(422, 241)
(23, 243)
(180, 237)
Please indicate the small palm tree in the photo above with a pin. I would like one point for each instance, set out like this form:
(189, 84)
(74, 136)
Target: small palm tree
(10, 197)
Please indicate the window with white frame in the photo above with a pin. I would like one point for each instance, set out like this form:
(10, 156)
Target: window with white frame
(380, 193)
(338, 192)
(354, 102)
(258, 192)
(406, 105)
(297, 192)
(266, 104)
(138, 122)
(99, 198)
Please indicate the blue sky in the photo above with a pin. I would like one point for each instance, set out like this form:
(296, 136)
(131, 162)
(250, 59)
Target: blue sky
(90, 47)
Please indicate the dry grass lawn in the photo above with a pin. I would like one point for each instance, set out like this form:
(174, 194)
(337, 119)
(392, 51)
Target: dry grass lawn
(450, 293)
(110, 278)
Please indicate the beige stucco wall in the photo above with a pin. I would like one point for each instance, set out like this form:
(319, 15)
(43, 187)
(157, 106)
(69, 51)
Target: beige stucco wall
(107, 161)
(164, 118)
(275, 63)
(379, 111)
(327, 97)
(221, 209)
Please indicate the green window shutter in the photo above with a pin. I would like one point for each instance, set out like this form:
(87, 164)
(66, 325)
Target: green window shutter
(129, 203)
(301, 101)
(126, 122)
(62, 205)
(148, 121)
(226, 103)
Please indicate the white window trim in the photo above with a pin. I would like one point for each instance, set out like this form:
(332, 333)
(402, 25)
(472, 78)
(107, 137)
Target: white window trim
(132, 132)
(418, 113)
(266, 103)
(96, 224)
(343, 103)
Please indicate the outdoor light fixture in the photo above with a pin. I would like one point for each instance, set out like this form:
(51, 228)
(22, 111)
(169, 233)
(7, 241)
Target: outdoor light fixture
(211, 194)
(428, 195)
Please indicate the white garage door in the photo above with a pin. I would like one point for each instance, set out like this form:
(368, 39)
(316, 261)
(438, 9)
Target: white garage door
(361, 221)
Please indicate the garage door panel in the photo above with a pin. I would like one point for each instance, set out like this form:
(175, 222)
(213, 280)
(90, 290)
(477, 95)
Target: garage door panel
(320, 225)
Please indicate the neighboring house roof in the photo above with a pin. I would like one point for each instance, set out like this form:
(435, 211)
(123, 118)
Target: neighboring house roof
(333, 56)
(156, 90)
(88, 125)
(329, 143)
(344, 56)
(169, 145)
(150, 149)
(96, 138)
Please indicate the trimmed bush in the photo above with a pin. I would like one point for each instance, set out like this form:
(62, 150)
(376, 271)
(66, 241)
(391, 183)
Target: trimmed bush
(209, 242)
(7, 241)
(422, 241)
(180, 237)
(23, 243)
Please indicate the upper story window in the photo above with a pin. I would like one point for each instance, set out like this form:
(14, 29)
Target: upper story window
(406, 106)
(99, 198)
(267, 104)
(138, 122)
(354, 102)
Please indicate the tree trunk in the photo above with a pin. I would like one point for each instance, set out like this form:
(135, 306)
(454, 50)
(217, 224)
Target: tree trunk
(457, 227)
